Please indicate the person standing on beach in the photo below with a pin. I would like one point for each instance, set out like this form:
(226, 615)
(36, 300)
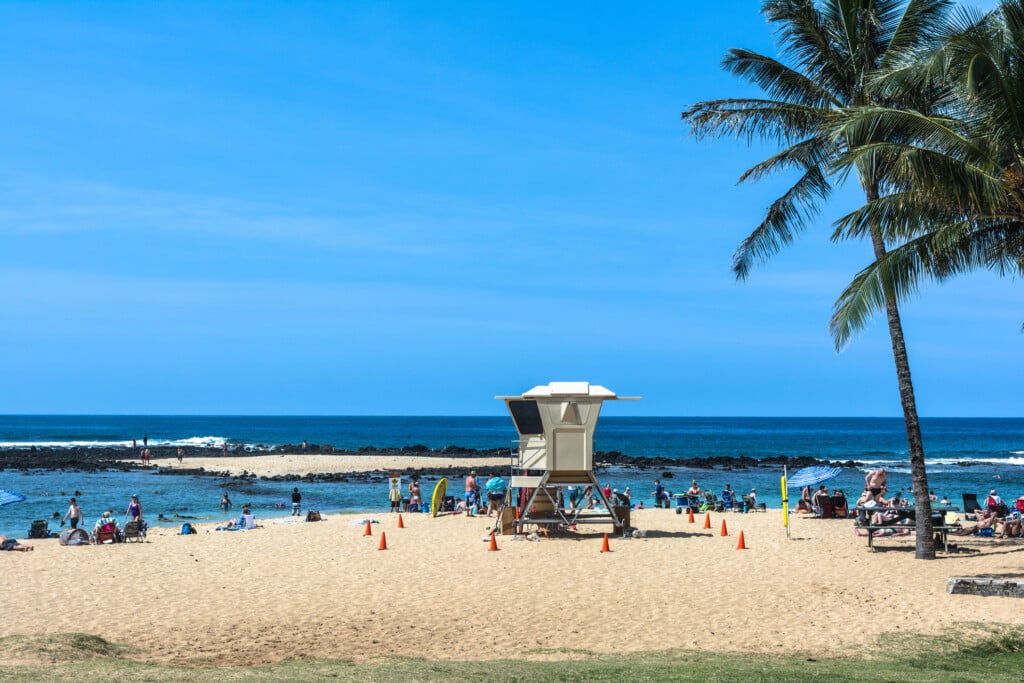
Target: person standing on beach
(134, 511)
(875, 481)
(74, 514)
(305, 446)
(181, 454)
(470, 489)
(296, 501)
(146, 455)
(395, 496)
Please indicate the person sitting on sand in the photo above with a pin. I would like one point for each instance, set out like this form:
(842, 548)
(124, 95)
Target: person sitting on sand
(1012, 525)
(821, 498)
(986, 520)
(13, 544)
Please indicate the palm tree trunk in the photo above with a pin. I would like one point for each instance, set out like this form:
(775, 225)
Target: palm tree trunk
(925, 544)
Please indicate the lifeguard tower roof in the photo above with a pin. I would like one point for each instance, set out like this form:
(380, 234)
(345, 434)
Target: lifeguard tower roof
(571, 390)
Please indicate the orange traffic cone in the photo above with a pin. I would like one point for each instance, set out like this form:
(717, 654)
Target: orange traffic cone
(369, 529)
(707, 520)
(691, 516)
(494, 543)
(383, 542)
(401, 524)
(725, 532)
(741, 545)
(604, 545)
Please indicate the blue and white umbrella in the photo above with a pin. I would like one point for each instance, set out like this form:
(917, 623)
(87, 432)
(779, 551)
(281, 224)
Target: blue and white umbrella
(809, 476)
(10, 497)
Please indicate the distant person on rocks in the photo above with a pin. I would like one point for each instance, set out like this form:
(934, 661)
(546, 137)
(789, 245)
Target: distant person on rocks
(181, 454)
(305, 446)
(74, 514)
(146, 455)
(225, 449)
(145, 440)
(135, 444)
(296, 501)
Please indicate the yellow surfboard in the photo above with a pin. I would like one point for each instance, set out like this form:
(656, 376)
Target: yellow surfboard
(438, 498)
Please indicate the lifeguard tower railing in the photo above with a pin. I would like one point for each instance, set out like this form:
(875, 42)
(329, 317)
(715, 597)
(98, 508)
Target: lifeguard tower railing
(554, 453)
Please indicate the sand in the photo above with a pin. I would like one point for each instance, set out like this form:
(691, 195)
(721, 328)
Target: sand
(324, 589)
(297, 464)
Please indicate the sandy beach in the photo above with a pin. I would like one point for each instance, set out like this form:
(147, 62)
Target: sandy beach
(300, 465)
(296, 589)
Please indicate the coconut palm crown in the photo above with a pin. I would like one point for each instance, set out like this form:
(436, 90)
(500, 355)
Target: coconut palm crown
(830, 52)
(955, 187)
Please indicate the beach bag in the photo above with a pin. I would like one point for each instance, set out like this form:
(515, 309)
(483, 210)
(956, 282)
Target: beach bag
(313, 516)
(187, 529)
(986, 532)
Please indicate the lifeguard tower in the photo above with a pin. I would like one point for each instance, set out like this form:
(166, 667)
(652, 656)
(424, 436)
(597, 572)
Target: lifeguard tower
(555, 451)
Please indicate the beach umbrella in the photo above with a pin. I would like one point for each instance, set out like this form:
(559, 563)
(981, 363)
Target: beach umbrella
(495, 485)
(809, 476)
(10, 497)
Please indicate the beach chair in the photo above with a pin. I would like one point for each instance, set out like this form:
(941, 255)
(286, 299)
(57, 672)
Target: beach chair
(134, 532)
(40, 529)
(727, 500)
(840, 507)
(824, 505)
(711, 503)
(970, 505)
(108, 533)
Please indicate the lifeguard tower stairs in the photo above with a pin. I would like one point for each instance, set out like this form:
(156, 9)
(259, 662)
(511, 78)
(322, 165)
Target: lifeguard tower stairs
(555, 451)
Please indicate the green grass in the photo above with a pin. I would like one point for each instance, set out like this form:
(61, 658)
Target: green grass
(983, 655)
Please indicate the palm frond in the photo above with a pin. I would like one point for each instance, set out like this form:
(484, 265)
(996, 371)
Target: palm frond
(787, 216)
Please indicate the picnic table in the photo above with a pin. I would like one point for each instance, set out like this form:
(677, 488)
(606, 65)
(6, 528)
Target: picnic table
(905, 513)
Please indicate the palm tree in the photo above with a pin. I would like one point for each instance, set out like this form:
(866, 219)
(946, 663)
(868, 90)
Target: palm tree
(957, 186)
(834, 48)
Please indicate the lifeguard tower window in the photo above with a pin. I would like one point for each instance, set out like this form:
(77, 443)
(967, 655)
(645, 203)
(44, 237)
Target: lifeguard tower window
(526, 415)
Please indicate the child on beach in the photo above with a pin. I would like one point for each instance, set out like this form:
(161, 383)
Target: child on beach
(395, 495)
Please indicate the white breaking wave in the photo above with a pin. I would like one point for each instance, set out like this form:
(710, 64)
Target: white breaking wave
(196, 441)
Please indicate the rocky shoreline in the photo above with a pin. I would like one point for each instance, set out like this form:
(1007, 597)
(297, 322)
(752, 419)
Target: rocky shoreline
(124, 459)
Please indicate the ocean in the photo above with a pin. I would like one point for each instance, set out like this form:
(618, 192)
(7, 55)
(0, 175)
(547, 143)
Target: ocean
(963, 454)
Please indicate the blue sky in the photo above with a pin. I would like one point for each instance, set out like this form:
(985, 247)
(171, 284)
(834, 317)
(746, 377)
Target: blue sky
(408, 208)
